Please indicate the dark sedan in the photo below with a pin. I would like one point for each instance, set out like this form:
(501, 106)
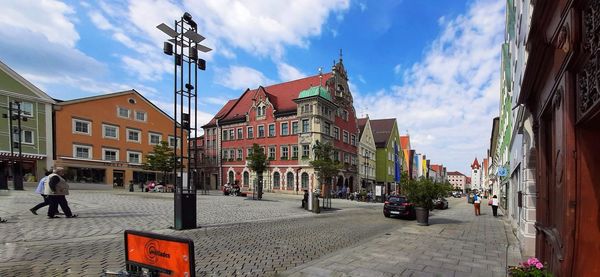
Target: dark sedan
(440, 203)
(398, 206)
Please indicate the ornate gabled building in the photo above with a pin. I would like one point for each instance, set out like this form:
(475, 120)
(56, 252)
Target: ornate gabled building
(286, 119)
(366, 155)
(476, 175)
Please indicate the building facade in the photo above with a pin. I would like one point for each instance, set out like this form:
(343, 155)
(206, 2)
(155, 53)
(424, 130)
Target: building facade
(560, 89)
(36, 128)
(105, 139)
(287, 120)
(457, 180)
(476, 175)
(389, 153)
(366, 155)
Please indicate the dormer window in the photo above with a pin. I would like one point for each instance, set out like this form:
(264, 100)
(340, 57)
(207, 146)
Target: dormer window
(261, 110)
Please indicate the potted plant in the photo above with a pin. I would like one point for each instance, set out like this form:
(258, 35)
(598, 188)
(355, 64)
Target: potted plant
(531, 267)
(422, 193)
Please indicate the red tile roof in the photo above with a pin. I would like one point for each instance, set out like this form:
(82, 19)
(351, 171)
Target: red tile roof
(362, 122)
(382, 129)
(455, 173)
(280, 95)
(475, 164)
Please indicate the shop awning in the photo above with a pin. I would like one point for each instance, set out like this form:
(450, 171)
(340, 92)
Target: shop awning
(4, 154)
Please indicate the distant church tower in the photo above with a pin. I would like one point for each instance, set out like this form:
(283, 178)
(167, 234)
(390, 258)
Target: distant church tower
(476, 175)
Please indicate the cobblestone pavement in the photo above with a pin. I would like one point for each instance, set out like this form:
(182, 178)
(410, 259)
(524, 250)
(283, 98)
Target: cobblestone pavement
(455, 244)
(239, 236)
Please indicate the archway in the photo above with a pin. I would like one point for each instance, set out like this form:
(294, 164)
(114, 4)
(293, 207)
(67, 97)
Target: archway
(290, 181)
(246, 179)
(230, 180)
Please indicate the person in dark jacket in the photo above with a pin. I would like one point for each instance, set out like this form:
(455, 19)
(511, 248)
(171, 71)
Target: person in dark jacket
(57, 189)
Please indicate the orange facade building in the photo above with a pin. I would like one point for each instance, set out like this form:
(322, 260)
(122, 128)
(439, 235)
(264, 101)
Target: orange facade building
(106, 139)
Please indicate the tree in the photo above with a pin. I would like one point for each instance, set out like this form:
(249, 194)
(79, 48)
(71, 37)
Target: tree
(257, 162)
(161, 159)
(325, 167)
(423, 191)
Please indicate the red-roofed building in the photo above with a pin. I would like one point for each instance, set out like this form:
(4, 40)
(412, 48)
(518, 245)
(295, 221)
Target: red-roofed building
(286, 120)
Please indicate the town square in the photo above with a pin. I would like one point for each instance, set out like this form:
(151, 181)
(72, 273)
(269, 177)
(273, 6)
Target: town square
(299, 138)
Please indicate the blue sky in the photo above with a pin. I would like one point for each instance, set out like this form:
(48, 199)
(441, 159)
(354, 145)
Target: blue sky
(432, 64)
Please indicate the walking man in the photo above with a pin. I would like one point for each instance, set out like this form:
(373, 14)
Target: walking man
(40, 190)
(477, 204)
(56, 188)
(495, 205)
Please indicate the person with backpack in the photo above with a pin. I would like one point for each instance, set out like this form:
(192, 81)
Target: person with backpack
(477, 204)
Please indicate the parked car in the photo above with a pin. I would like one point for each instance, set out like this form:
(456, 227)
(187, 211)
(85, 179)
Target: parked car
(399, 206)
(440, 203)
(457, 194)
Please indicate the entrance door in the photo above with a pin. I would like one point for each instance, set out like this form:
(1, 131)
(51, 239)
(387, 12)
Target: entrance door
(118, 178)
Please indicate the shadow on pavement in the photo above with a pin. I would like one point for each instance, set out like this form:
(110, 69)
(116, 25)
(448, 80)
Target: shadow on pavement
(444, 221)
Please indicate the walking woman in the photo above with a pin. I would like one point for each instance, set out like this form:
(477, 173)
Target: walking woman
(40, 190)
(495, 205)
(476, 204)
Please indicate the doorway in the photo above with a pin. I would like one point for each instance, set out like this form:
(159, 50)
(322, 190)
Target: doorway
(118, 178)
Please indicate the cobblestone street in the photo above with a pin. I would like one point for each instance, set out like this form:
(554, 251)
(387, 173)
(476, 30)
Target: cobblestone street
(245, 237)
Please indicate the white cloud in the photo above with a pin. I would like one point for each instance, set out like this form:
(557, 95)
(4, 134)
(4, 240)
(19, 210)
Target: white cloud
(397, 69)
(51, 19)
(447, 100)
(263, 27)
(241, 77)
(288, 73)
(100, 21)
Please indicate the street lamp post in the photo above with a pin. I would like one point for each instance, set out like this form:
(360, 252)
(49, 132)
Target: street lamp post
(186, 65)
(16, 164)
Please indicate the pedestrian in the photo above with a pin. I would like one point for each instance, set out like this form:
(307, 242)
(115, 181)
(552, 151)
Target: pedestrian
(40, 190)
(495, 205)
(56, 188)
(477, 204)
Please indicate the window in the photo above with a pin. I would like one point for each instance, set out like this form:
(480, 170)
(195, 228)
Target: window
(249, 151)
(140, 116)
(110, 154)
(305, 150)
(172, 141)
(336, 132)
(134, 157)
(294, 127)
(290, 181)
(250, 132)
(82, 151)
(304, 180)
(26, 108)
(154, 139)
(225, 154)
(305, 126)
(346, 137)
(240, 154)
(133, 135)
(271, 130)
(276, 180)
(284, 152)
(225, 135)
(110, 131)
(27, 137)
(345, 115)
(231, 154)
(294, 151)
(261, 111)
(353, 139)
(261, 131)
(231, 134)
(246, 179)
(230, 175)
(271, 153)
(240, 133)
(285, 129)
(123, 112)
(82, 127)
(327, 128)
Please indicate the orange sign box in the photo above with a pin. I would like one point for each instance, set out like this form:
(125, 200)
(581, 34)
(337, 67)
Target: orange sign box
(171, 256)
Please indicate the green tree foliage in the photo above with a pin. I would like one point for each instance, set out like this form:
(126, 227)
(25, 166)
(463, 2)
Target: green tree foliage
(325, 167)
(423, 191)
(161, 159)
(257, 161)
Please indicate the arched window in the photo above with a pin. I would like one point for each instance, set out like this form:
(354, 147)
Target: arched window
(246, 179)
(304, 180)
(230, 177)
(276, 180)
(290, 181)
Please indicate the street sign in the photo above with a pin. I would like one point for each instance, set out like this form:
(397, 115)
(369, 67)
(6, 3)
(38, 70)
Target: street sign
(502, 171)
(164, 255)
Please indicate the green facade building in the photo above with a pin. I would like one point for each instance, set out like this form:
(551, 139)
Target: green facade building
(389, 153)
(36, 128)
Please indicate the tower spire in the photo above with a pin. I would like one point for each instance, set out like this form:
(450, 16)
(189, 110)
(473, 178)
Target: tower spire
(340, 55)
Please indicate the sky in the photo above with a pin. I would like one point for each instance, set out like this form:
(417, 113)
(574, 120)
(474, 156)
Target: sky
(434, 65)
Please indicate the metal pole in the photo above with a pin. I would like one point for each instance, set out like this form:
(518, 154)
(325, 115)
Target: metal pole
(18, 181)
